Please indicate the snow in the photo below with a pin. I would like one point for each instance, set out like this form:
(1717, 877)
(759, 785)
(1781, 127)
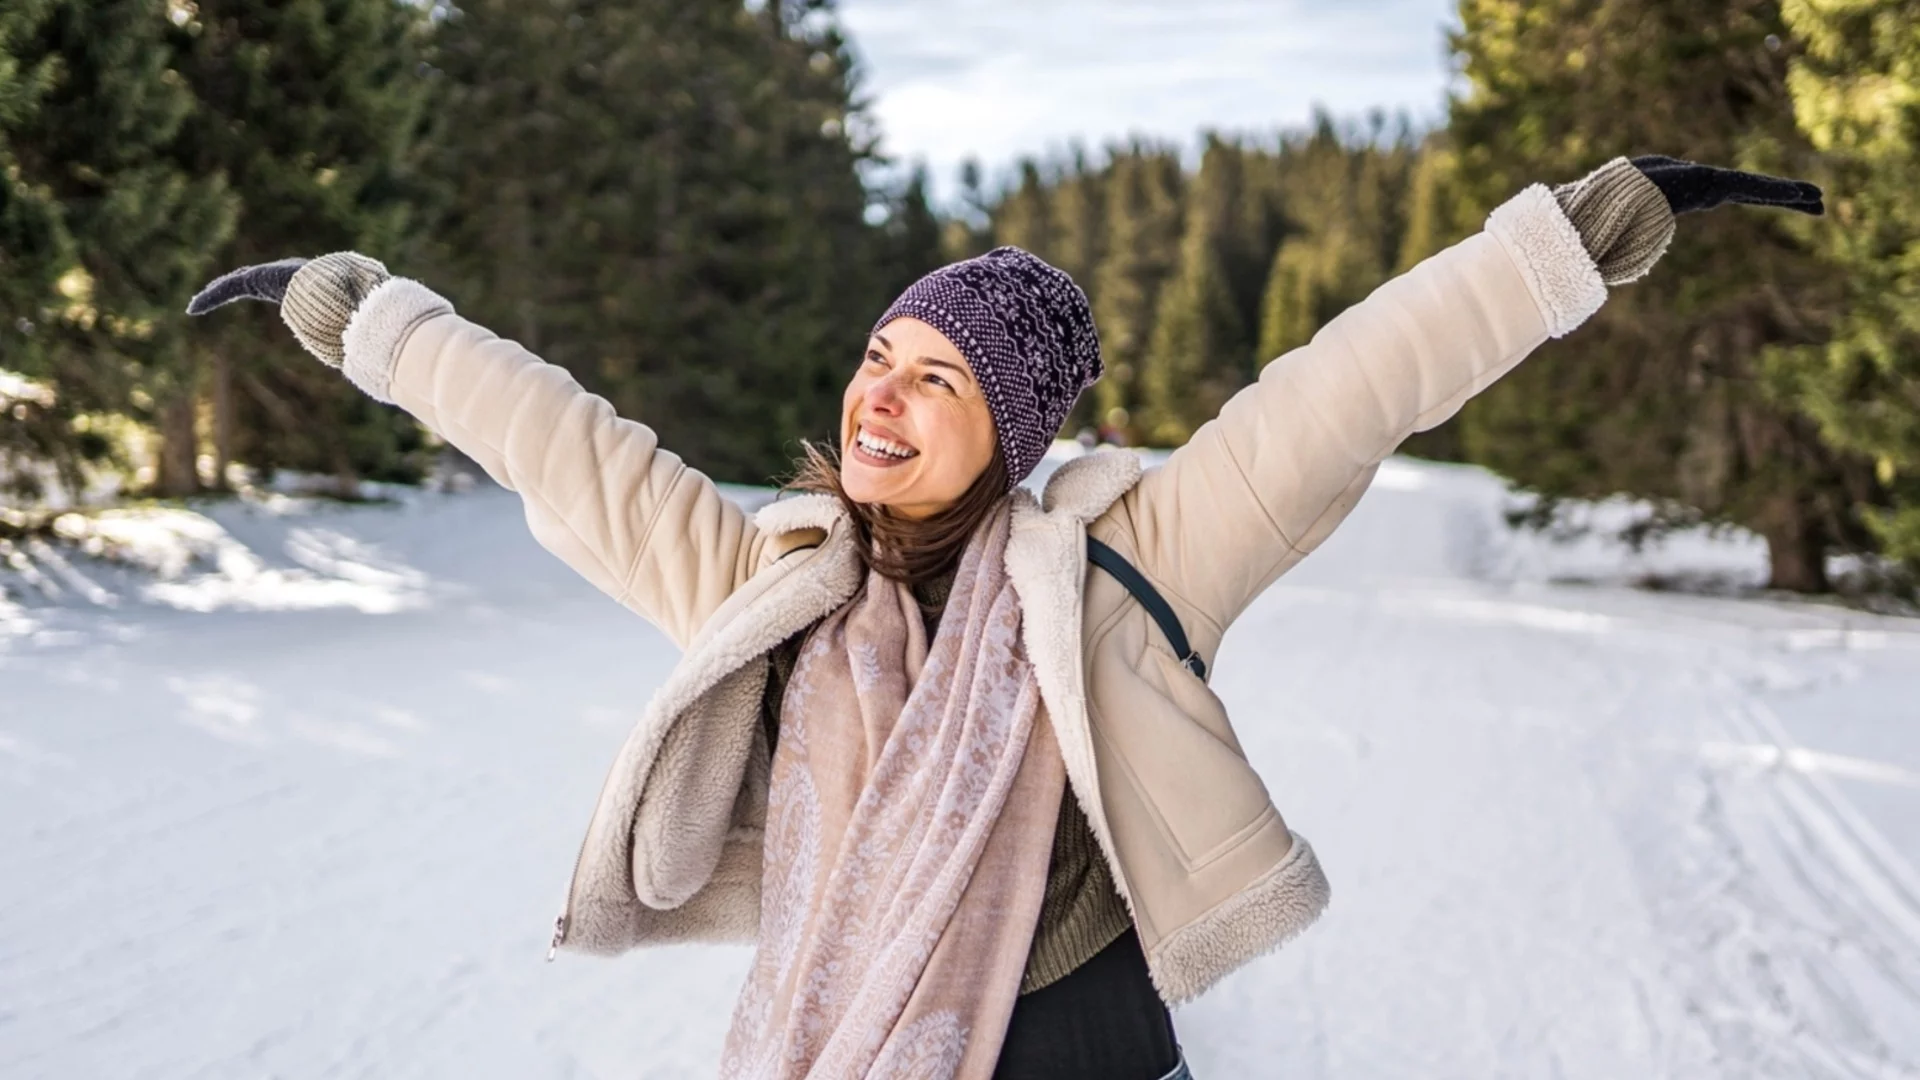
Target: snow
(292, 789)
(16, 388)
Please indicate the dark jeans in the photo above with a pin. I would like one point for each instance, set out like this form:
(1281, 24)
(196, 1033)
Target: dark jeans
(1104, 1021)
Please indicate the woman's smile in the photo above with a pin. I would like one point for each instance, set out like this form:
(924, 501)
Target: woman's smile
(881, 449)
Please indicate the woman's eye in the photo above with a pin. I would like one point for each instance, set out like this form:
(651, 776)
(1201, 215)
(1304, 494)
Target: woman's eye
(938, 381)
(875, 358)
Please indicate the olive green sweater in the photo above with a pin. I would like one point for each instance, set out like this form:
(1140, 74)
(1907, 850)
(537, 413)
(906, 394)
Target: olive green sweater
(1081, 912)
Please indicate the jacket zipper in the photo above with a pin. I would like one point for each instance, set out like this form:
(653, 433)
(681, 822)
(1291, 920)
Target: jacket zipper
(563, 921)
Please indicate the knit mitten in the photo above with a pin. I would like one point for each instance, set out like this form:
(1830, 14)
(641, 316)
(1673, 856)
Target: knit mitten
(317, 298)
(322, 297)
(1624, 210)
(1623, 220)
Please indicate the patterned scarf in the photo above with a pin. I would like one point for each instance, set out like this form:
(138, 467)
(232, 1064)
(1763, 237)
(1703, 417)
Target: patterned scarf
(909, 823)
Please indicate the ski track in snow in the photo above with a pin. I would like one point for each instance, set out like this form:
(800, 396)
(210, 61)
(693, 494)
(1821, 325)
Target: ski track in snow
(319, 829)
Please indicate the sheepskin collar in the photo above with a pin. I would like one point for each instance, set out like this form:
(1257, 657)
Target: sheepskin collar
(796, 513)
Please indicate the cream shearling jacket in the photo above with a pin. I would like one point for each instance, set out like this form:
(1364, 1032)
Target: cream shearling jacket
(1208, 867)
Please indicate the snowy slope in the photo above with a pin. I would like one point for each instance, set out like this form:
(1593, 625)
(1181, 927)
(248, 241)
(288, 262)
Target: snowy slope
(308, 814)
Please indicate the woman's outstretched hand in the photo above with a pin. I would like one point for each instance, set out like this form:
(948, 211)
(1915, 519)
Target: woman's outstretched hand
(317, 297)
(1689, 187)
(1624, 210)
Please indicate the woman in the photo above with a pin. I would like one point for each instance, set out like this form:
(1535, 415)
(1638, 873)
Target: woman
(978, 817)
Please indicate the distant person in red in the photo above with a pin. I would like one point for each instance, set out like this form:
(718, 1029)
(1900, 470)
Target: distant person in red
(973, 802)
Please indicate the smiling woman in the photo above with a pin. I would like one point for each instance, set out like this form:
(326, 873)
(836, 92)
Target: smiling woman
(916, 443)
(977, 817)
(925, 437)
(918, 465)
(904, 397)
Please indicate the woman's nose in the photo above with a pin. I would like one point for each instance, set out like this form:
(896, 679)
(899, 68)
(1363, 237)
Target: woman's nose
(884, 396)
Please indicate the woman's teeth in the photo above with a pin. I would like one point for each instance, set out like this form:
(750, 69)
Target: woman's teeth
(883, 447)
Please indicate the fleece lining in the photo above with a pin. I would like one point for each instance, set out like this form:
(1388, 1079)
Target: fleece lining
(379, 327)
(1547, 248)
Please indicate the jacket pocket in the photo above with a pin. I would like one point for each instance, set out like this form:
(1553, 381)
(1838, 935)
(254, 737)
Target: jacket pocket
(1169, 736)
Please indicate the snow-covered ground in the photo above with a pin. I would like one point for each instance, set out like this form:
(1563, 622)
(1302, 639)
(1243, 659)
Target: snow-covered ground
(305, 808)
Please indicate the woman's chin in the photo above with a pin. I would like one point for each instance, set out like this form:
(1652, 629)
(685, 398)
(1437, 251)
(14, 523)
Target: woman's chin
(862, 486)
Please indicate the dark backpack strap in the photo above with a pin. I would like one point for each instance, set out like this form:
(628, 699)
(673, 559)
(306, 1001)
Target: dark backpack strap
(1116, 564)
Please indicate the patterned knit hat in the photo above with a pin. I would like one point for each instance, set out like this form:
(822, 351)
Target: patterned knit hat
(1027, 332)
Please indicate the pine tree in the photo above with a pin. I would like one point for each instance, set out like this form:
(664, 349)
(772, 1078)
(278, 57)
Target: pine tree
(969, 230)
(1076, 232)
(1295, 303)
(125, 232)
(1343, 196)
(34, 250)
(1433, 216)
(1024, 217)
(1078, 242)
(664, 197)
(1856, 93)
(310, 109)
(1254, 227)
(1659, 394)
(911, 236)
(1198, 352)
(34, 247)
(1143, 203)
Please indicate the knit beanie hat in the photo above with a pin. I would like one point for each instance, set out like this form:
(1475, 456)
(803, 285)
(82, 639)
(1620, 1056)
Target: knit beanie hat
(1026, 330)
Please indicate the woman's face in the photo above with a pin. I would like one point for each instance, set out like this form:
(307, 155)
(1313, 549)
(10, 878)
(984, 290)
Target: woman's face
(915, 431)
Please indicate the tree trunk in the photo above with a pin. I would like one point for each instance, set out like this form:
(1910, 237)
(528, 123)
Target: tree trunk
(178, 474)
(1796, 547)
(346, 482)
(222, 374)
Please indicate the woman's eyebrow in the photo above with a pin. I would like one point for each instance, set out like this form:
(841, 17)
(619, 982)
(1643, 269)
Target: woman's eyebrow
(936, 361)
(946, 364)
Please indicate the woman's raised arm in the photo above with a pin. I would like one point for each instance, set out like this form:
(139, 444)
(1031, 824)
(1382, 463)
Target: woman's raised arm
(598, 491)
(1266, 481)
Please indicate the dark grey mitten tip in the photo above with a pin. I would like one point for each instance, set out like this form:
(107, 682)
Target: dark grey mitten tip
(267, 281)
(1691, 187)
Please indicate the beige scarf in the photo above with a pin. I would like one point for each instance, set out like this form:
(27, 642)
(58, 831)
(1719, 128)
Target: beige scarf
(909, 823)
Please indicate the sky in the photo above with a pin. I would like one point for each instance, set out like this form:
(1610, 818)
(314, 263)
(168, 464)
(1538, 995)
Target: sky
(997, 79)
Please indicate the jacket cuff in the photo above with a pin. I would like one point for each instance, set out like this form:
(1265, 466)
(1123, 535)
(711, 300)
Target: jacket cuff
(1543, 243)
(379, 327)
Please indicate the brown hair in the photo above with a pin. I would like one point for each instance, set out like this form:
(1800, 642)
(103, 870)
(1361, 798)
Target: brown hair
(910, 550)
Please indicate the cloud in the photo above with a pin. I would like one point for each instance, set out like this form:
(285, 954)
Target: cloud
(1000, 78)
